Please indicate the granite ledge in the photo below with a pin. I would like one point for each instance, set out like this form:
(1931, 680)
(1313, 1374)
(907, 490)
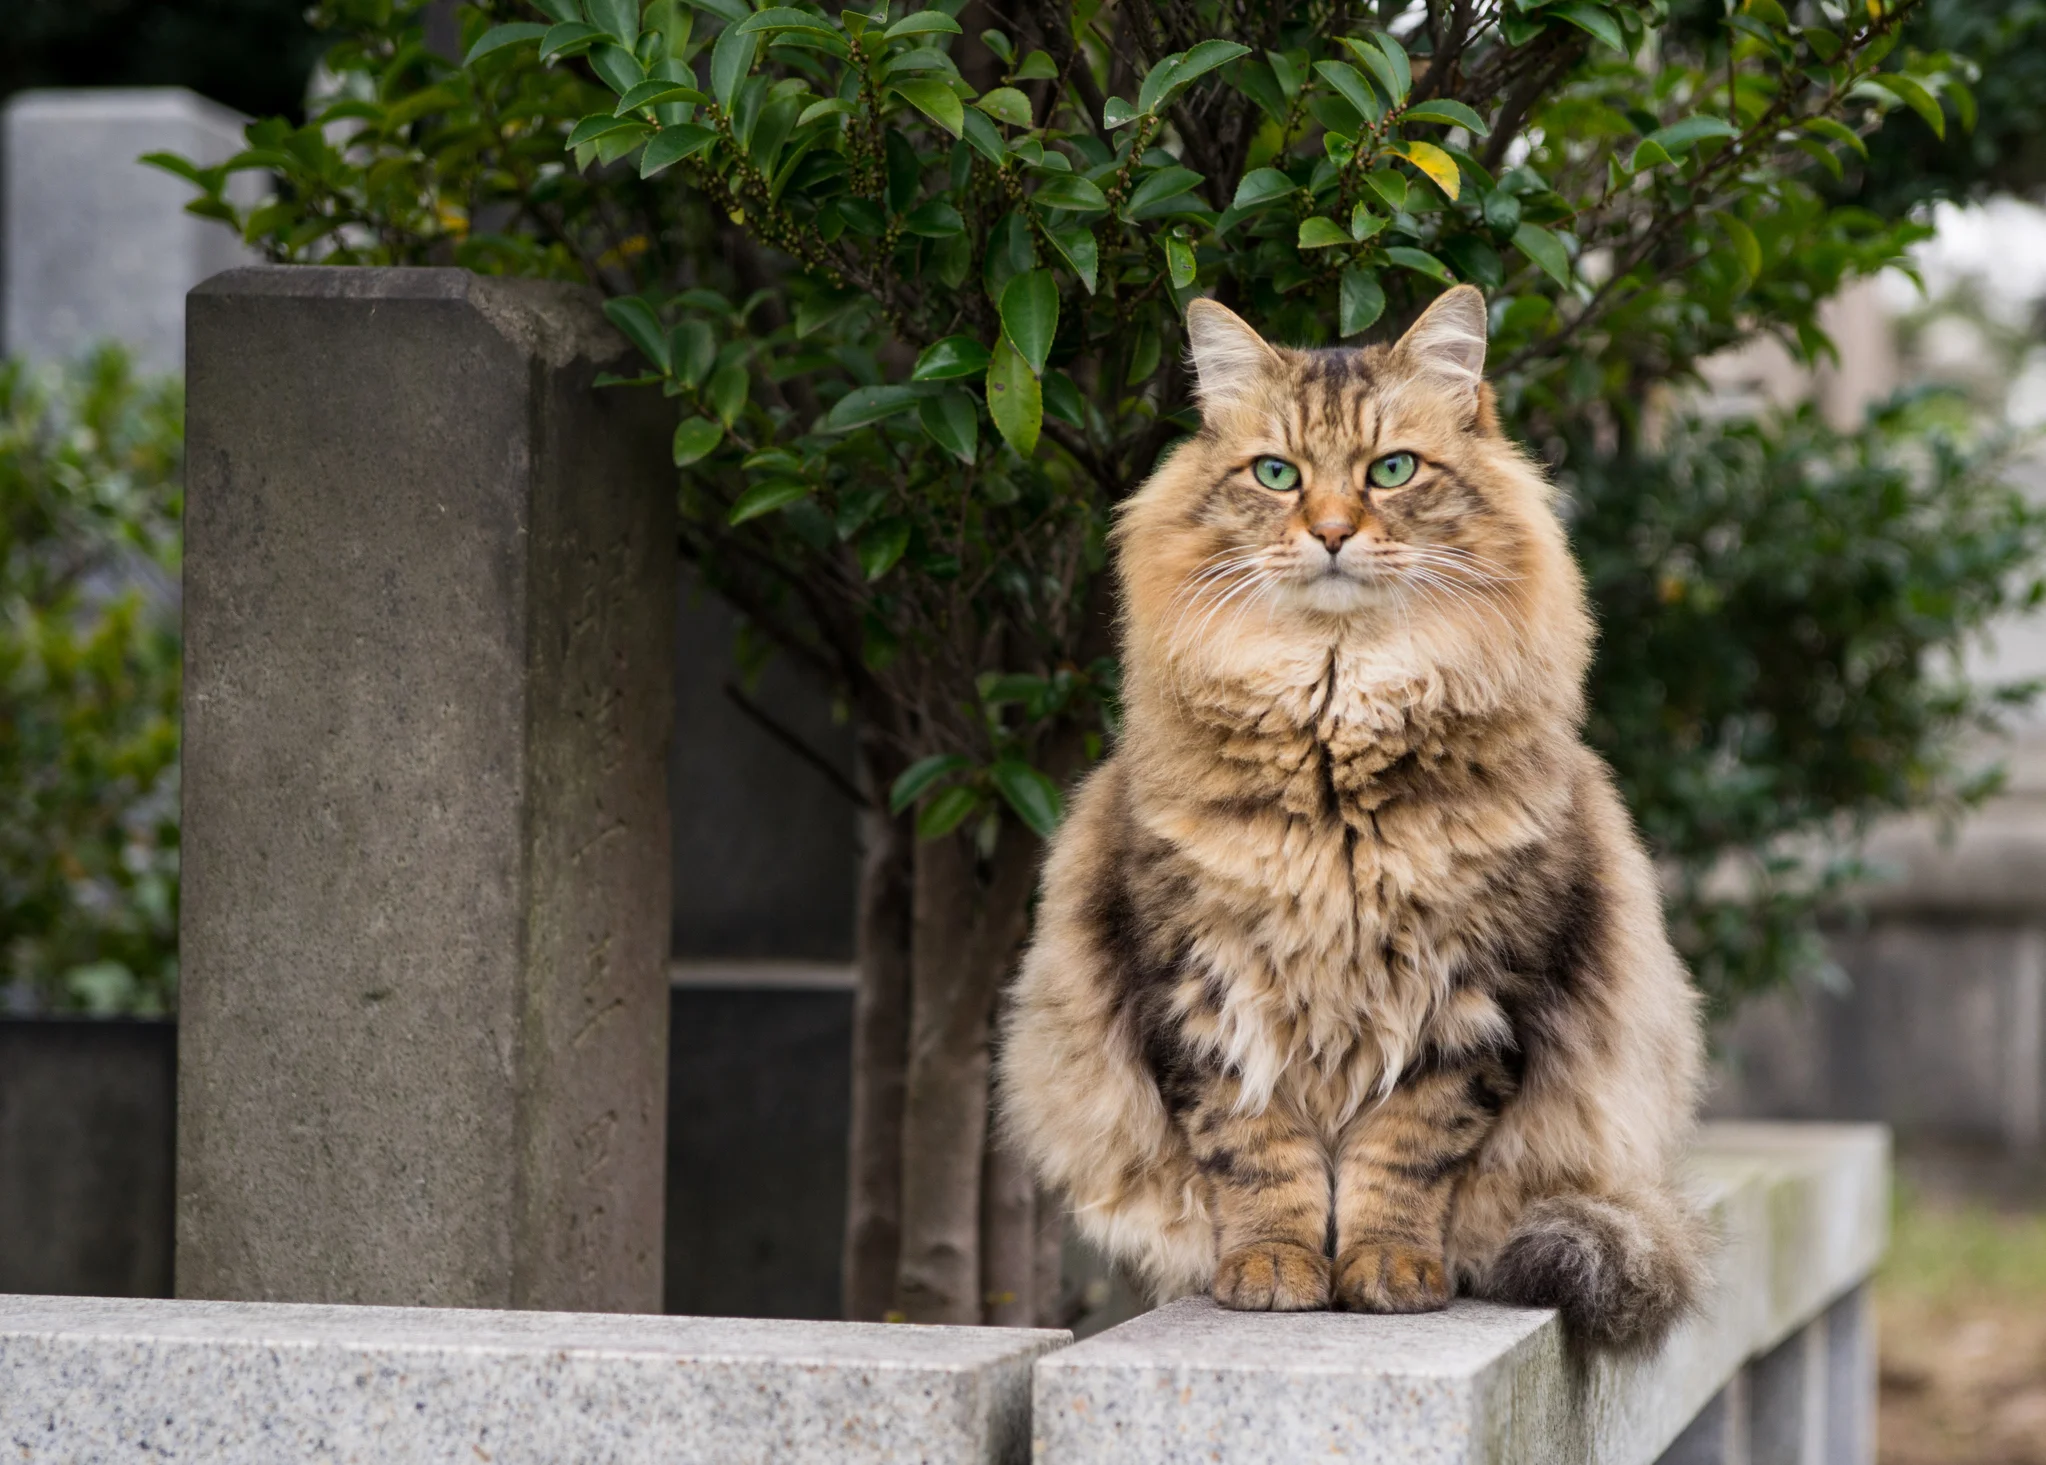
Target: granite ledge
(1801, 1210)
(97, 1380)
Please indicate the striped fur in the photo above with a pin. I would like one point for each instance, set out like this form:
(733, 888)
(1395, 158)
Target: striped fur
(1350, 984)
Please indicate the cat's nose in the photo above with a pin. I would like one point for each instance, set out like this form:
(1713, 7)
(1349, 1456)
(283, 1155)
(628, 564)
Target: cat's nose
(1333, 532)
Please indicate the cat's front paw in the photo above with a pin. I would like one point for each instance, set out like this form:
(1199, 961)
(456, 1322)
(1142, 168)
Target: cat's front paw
(1389, 1276)
(1272, 1276)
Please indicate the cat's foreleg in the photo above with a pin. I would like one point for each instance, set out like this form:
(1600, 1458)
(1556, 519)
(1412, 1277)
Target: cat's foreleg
(1397, 1165)
(1267, 1185)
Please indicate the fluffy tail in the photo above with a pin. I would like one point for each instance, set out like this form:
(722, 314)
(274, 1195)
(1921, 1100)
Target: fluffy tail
(1622, 1269)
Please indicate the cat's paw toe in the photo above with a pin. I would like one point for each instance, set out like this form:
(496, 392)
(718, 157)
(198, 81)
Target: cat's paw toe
(1272, 1276)
(1389, 1276)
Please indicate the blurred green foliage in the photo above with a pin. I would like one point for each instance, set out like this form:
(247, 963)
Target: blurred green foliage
(1780, 608)
(915, 278)
(90, 508)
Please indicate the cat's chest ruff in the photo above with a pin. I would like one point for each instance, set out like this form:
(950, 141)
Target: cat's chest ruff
(1339, 845)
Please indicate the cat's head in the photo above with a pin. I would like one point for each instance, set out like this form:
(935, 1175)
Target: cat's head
(1339, 492)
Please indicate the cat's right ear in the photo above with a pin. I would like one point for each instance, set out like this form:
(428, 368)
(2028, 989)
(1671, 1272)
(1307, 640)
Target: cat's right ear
(1229, 357)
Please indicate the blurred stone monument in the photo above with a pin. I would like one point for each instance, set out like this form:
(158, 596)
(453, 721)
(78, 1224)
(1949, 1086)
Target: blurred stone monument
(98, 246)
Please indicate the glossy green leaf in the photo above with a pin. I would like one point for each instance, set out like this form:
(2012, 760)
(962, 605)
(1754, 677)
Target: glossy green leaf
(1592, 20)
(880, 547)
(601, 124)
(1648, 153)
(619, 68)
(1319, 233)
(500, 36)
(1261, 186)
(1015, 398)
(1746, 248)
(1837, 131)
(982, 135)
(935, 219)
(568, 39)
(923, 23)
(672, 144)
(1006, 104)
(730, 59)
(655, 92)
(1917, 98)
(1396, 57)
(695, 439)
(782, 18)
(1157, 81)
(765, 498)
(1159, 188)
(617, 18)
(1449, 111)
(729, 385)
(1033, 796)
(1037, 66)
(1115, 112)
(950, 359)
(1179, 261)
(951, 420)
(921, 776)
(691, 351)
(946, 812)
(864, 405)
(1070, 191)
(1546, 249)
(1082, 255)
(1360, 301)
(1030, 315)
(935, 100)
(1682, 136)
(1420, 262)
(1390, 186)
(636, 320)
(1381, 69)
(1204, 57)
(1351, 87)
(1062, 399)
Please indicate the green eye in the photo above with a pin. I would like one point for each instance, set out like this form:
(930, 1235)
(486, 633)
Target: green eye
(1393, 469)
(1276, 473)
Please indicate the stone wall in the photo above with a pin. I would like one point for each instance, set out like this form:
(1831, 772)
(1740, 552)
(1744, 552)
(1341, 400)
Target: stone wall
(1777, 1368)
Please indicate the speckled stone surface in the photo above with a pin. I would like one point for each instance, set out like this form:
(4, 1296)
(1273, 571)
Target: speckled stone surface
(86, 1380)
(1801, 1212)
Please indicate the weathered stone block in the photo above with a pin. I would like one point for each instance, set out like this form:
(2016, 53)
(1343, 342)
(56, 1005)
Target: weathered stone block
(429, 603)
(98, 246)
(1801, 1212)
(250, 1384)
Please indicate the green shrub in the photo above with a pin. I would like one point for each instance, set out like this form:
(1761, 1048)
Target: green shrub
(1780, 607)
(89, 660)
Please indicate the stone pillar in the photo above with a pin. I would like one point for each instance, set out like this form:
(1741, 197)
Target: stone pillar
(429, 603)
(1719, 1435)
(98, 246)
(1851, 1380)
(1787, 1400)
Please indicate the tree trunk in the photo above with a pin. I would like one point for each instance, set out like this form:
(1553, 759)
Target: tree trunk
(873, 1219)
(966, 927)
(1049, 1282)
(1008, 1239)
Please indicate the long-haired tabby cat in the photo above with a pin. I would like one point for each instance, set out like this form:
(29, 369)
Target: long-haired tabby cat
(1350, 985)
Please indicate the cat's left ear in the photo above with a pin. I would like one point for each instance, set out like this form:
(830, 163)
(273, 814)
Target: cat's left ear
(1448, 341)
